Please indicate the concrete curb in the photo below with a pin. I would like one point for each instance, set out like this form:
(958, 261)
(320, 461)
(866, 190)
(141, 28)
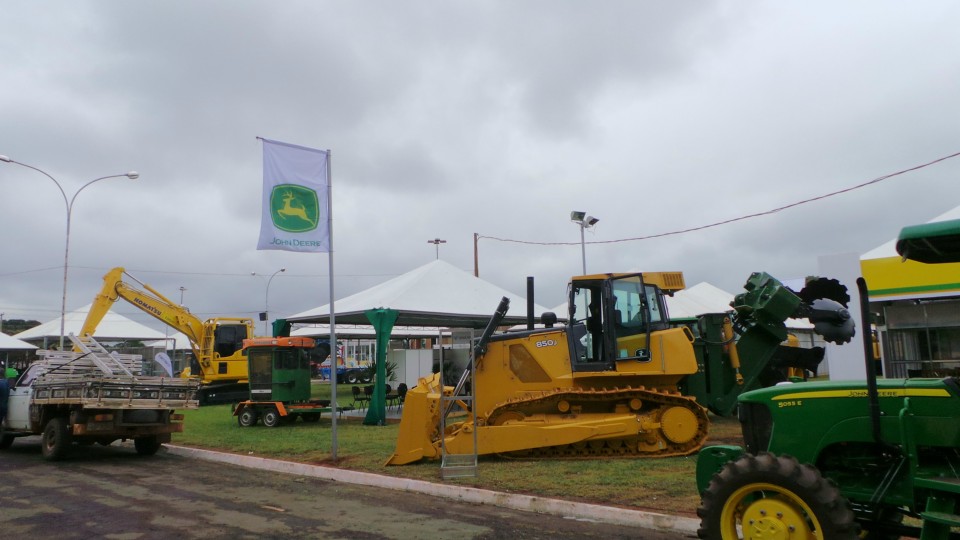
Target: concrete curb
(568, 509)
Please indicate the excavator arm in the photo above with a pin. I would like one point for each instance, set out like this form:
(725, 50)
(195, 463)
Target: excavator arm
(217, 343)
(149, 301)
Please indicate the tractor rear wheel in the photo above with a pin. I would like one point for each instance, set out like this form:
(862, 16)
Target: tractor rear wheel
(768, 496)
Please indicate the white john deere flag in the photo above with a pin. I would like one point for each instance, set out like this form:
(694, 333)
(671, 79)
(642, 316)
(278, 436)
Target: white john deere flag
(295, 198)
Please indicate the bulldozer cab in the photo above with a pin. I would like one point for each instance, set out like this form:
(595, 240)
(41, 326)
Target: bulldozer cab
(611, 319)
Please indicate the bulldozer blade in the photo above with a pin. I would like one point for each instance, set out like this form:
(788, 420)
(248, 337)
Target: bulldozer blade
(420, 419)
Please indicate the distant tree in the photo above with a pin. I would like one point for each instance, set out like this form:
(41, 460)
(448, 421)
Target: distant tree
(15, 326)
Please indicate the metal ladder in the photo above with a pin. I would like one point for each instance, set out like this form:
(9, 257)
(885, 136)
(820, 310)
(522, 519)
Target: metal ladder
(100, 356)
(459, 465)
(465, 465)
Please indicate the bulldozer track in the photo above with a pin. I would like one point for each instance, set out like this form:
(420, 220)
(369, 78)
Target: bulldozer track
(650, 406)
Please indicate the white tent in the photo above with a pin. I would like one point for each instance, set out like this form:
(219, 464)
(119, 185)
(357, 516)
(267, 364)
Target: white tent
(697, 300)
(8, 343)
(113, 327)
(436, 294)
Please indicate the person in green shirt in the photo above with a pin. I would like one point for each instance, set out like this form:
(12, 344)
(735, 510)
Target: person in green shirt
(9, 373)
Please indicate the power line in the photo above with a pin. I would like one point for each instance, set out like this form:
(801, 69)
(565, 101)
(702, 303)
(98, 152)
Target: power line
(741, 218)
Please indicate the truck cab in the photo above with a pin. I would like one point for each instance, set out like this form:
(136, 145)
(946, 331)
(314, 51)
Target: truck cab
(18, 406)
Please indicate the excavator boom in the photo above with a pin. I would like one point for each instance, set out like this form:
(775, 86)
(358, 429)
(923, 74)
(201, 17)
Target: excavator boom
(217, 343)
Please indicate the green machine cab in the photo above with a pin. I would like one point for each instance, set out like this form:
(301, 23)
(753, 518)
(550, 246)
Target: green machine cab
(279, 383)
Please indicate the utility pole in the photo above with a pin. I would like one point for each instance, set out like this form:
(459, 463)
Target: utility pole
(476, 256)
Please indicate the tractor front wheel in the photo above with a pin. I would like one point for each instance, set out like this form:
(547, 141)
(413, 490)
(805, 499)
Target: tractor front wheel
(768, 496)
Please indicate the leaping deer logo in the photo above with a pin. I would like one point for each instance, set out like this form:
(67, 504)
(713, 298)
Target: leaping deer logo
(294, 208)
(289, 210)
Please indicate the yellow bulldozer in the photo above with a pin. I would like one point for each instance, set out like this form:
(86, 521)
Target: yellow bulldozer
(618, 379)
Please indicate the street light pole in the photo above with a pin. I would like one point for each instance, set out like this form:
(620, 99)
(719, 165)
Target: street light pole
(437, 242)
(585, 222)
(266, 300)
(133, 175)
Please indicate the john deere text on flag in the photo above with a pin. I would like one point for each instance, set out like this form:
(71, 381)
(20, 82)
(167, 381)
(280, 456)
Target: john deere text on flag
(295, 198)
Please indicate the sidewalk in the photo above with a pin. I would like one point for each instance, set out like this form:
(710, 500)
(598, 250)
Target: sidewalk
(568, 509)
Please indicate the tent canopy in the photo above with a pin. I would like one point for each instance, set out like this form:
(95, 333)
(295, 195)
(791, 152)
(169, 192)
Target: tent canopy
(8, 343)
(113, 327)
(697, 300)
(436, 294)
(358, 331)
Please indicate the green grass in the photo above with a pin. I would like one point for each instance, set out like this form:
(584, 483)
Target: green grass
(665, 484)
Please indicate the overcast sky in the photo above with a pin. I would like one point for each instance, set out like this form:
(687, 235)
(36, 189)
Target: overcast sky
(451, 118)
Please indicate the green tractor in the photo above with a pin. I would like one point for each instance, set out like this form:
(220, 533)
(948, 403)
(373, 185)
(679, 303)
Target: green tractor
(838, 460)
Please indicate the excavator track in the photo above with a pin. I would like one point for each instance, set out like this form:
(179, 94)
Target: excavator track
(671, 424)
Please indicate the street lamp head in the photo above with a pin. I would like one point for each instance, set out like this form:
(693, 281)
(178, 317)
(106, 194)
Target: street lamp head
(5, 159)
(577, 216)
(283, 269)
(591, 221)
(133, 175)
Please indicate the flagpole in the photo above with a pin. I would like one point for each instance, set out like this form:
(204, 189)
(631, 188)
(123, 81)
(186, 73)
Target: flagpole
(333, 333)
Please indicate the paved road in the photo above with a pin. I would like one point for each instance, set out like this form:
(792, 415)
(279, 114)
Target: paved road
(113, 493)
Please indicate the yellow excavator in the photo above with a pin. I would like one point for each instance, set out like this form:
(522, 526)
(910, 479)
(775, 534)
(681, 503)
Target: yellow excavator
(217, 343)
(618, 379)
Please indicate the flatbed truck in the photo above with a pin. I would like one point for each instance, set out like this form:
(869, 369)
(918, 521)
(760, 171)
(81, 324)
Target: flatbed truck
(94, 396)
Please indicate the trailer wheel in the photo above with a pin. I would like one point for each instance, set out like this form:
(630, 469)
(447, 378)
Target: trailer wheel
(773, 496)
(55, 439)
(6, 440)
(247, 417)
(147, 446)
(310, 417)
(366, 376)
(351, 377)
(271, 418)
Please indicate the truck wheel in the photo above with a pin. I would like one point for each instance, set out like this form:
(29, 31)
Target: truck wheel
(351, 377)
(271, 418)
(6, 440)
(147, 446)
(771, 496)
(366, 376)
(247, 417)
(55, 439)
